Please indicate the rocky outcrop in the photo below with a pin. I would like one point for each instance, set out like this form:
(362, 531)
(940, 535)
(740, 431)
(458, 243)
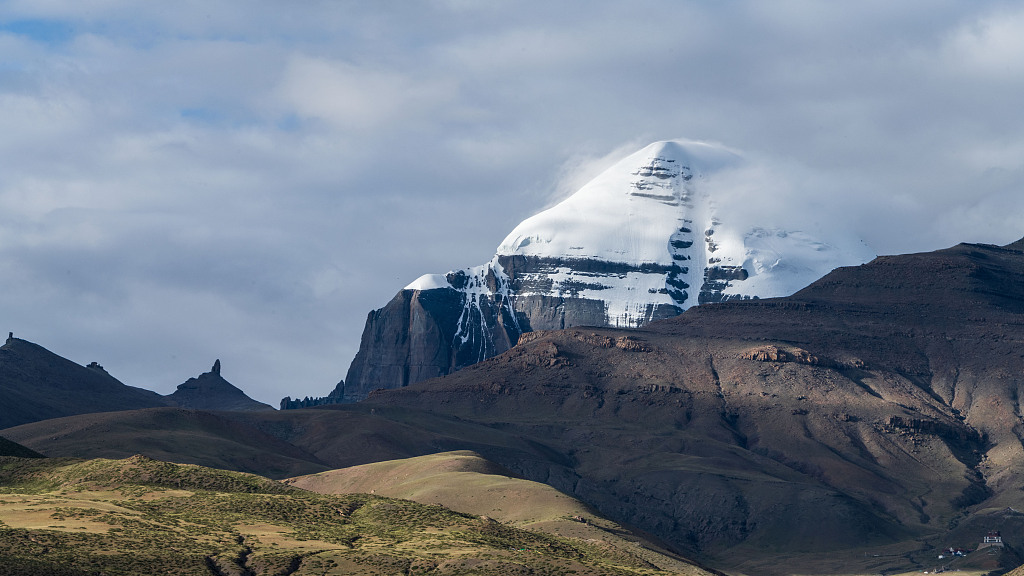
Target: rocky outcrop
(335, 397)
(210, 391)
(770, 353)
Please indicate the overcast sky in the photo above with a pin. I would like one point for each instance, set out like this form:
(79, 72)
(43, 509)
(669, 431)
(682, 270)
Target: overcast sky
(245, 180)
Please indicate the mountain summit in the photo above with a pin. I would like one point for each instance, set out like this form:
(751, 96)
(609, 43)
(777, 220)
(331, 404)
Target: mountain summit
(210, 391)
(656, 233)
(664, 217)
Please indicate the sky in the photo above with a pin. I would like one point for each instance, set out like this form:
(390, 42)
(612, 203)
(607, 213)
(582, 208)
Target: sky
(245, 180)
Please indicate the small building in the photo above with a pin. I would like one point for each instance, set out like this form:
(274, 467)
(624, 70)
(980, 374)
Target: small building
(992, 539)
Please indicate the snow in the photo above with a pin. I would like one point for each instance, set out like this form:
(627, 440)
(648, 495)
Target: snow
(624, 215)
(782, 262)
(429, 282)
(671, 203)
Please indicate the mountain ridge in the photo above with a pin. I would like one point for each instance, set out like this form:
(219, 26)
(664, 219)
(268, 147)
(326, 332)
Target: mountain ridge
(37, 384)
(881, 397)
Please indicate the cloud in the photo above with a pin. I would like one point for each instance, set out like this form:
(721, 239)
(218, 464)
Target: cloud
(247, 180)
(359, 99)
(991, 46)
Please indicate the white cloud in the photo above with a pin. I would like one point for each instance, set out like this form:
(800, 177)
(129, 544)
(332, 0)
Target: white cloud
(360, 98)
(185, 181)
(991, 46)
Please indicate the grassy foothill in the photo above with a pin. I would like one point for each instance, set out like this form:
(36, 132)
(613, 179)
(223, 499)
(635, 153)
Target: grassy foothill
(143, 516)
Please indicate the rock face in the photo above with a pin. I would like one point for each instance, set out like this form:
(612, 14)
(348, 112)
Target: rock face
(650, 237)
(36, 384)
(422, 334)
(210, 391)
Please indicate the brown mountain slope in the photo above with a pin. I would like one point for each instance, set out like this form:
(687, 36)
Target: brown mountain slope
(465, 482)
(36, 384)
(344, 435)
(185, 436)
(877, 406)
(8, 448)
(461, 480)
(282, 444)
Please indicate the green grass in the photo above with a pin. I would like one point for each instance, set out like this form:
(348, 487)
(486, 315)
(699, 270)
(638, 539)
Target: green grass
(42, 475)
(141, 516)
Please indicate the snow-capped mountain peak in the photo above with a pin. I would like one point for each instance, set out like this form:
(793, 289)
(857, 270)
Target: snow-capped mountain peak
(628, 212)
(665, 228)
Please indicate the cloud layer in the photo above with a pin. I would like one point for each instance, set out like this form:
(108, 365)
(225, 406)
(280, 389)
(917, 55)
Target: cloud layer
(247, 180)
